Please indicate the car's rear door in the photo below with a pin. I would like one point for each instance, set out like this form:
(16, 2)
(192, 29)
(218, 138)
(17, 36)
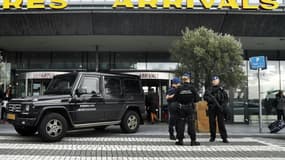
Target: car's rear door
(113, 98)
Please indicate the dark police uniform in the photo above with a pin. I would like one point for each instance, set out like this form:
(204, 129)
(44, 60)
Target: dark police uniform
(217, 111)
(186, 96)
(172, 105)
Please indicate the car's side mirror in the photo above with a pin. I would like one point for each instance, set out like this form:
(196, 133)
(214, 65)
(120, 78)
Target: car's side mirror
(80, 91)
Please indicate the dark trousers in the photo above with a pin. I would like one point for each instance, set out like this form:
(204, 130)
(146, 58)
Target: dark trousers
(213, 114)
(171, 123)
(185, 115)
(3, 113)
(280, 114)
(172, 108)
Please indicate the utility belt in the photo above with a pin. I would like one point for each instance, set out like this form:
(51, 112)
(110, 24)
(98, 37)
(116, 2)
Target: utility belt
(186, 106)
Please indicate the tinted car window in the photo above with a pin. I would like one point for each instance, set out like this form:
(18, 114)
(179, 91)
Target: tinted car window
(112, 86)
(61, 84)
(91, 84)
(132, 86)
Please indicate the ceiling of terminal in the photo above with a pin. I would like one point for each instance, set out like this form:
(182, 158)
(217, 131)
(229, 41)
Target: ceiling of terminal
(118, 43)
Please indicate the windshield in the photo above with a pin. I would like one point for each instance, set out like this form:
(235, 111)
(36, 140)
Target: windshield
(61, 84)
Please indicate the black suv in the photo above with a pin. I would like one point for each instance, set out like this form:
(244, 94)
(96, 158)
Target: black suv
(80, 100)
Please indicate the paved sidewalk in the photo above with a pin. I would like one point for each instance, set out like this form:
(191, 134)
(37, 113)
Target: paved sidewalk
(151, 142)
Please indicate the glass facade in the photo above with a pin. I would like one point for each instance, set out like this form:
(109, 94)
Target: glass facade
(245, 100)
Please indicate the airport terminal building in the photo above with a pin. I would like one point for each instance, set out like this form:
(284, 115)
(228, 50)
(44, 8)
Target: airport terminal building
(93, 35)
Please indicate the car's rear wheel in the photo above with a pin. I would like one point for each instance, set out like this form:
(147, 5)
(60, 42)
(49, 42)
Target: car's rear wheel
(25, 131)
(52, 127)
(130, 122)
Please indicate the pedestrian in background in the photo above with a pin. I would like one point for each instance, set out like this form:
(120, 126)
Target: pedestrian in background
(186, 96)
(153, 100)
(280, 105)
(147, 105)
(7, 97)
(1, 102)
(1, 93)
(172, 106)
(8, 94)
(217, 100)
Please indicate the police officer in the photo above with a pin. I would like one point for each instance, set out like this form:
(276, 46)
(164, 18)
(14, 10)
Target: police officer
(172, 106)
(186, 96)
(217, 100)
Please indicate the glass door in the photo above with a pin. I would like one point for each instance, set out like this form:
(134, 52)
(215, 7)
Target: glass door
(159, 88)
(37, 87)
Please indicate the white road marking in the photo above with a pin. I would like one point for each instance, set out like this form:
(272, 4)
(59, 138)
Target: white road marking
(25, 157)
(120, 139)
(103, 147)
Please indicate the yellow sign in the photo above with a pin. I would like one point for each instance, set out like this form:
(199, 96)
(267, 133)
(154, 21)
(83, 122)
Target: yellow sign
(207, 4)
(34, 4)
(149, 4)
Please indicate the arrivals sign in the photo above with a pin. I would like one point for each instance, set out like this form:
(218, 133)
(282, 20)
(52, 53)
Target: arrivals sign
(145, 4)
(206, 4)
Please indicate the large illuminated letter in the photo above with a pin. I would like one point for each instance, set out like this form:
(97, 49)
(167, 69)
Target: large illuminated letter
(58, 4)
(145, 3)
(190, 4)
(175, 3)
(35, 4)
(7, 4)
(123, 3)
(269, 4)
(207, 4)
(228, 4)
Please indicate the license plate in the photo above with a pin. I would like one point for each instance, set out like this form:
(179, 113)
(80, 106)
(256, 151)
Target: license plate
(11, 116)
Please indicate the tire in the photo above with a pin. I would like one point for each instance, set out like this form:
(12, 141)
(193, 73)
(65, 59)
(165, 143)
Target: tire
(25, 131)
(52, 128)
(100, 128)
(130, 122)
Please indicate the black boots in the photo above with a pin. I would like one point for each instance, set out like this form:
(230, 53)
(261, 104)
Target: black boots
(179, 142)
(225, 141)
(212, 139)
(172, 137)
(195, 143)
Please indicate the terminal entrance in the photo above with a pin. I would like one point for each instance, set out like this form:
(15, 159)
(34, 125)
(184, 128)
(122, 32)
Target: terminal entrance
(159, 87)
(37, 87)
(157, 82)
(33, 83)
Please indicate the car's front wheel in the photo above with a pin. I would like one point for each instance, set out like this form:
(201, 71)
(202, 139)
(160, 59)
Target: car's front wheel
(25, 131)
(130, 122)
(52, 127)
